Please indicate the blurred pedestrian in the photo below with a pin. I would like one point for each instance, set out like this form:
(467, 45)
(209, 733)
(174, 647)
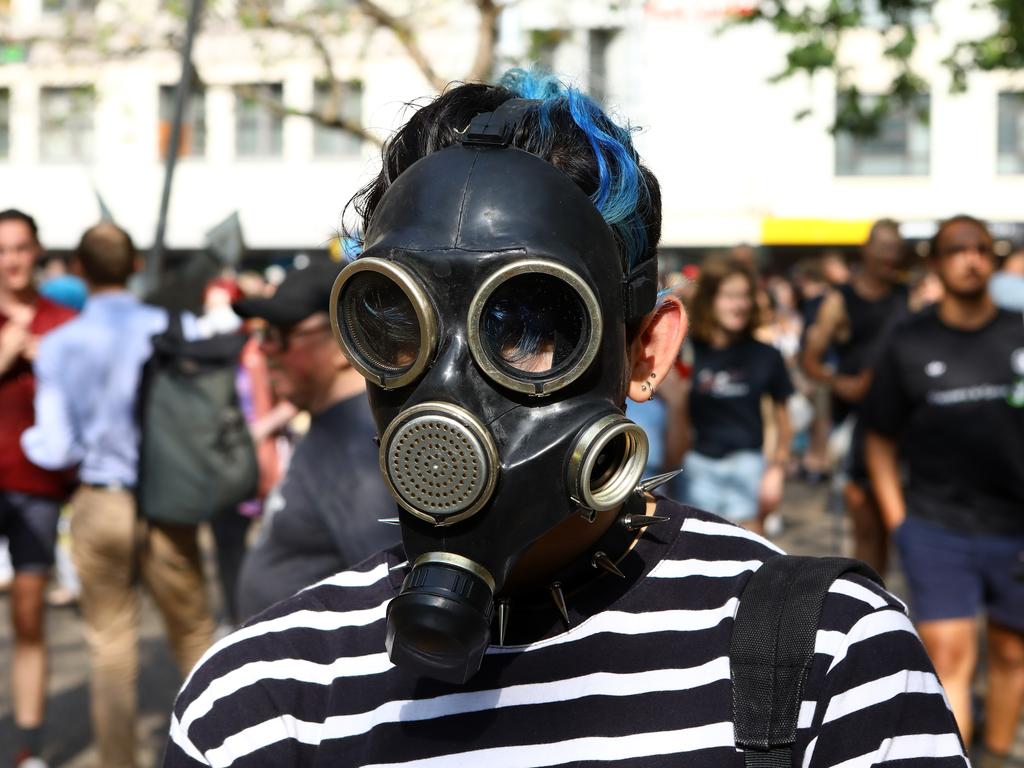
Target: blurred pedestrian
(853, 318)
(834, 267)
(30, 497)
(724, 469)
(325, 514)
(812, 287)
(948, 401)
(88, 377)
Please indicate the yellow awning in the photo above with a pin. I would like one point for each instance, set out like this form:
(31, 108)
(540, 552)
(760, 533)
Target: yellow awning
(777, 231)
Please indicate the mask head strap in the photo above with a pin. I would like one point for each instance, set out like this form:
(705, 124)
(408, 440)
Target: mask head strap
(640, 290)
(495, 129)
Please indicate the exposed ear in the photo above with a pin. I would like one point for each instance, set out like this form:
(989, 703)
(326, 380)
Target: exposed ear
(656, 347)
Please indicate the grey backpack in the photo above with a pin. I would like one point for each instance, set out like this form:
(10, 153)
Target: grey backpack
(196, 457)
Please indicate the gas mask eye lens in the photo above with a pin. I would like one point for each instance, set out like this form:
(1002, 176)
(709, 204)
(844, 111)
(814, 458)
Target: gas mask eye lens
(383, 321)
(534, 326)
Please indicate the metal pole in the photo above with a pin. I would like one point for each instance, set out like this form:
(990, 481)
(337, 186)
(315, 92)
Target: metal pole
(154, 265)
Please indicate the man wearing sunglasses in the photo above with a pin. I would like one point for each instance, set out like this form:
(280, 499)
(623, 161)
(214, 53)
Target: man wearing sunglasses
(312, 525)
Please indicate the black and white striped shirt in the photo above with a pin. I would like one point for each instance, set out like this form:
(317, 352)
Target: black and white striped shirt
(643, 681)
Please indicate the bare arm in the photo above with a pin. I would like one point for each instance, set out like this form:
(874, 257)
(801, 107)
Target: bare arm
(830, 326)
(676, 392)
(273, 421)
(774, 478)
(882, 459)
(822, 333)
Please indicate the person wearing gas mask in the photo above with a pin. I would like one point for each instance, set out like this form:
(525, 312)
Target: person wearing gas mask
(545, 608)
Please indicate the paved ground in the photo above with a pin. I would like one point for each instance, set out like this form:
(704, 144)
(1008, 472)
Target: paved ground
(808, 529)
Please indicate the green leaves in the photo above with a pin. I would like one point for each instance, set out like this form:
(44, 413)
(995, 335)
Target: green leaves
(817, 30)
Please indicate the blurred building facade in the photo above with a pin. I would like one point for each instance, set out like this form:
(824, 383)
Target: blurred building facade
(734, 164)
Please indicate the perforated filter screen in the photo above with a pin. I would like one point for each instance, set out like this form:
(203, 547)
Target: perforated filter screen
(437, 465)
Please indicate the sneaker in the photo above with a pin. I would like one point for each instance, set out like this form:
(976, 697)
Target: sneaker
(25, 759)
(61, 597)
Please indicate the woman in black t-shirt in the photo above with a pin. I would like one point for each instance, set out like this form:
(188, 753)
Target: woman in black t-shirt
(718, 417)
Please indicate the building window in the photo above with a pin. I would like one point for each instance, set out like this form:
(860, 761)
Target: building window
(334, 142)
(1011, 133)
(902, 146)
(193, 124)
(66, 124)
(5, 123)
(258, 128)
(60, 6)
(599, 40)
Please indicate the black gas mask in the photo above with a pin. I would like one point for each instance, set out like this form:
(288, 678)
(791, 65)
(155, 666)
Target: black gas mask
(489, 312)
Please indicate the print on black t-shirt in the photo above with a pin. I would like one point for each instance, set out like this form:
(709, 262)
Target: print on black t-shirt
(951, 399)
(725, 401)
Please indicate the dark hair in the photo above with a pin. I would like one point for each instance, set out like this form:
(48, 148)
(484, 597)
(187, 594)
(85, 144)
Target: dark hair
(960, 218)
(13, 214)
(106, 254)
(567, 129)
(881, 224)
(715, 271)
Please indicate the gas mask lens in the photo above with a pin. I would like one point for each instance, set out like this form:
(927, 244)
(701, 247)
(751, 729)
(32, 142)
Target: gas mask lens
(534, 327)
(383, 321)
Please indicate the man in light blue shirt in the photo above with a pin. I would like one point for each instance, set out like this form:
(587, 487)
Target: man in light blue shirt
(87, 376)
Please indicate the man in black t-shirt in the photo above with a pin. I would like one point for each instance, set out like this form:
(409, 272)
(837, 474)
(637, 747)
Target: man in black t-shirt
(948, 401)
(324, 515)
(852, 321)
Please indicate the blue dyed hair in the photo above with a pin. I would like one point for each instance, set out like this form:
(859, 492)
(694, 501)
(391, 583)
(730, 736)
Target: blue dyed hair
(567, 129)
(621, 193)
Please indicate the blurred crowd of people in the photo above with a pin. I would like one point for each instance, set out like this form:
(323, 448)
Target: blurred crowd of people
(827, 371)
(902, 379)
(73, 349)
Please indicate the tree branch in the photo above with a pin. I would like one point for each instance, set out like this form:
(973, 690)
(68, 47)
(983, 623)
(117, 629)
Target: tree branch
(406, 37)
(483, 62)
(281, 110)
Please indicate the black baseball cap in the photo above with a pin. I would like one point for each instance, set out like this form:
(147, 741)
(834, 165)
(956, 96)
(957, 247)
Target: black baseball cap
(303, 292)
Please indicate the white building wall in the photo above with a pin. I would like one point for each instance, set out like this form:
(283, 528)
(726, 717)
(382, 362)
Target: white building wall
(721, 140)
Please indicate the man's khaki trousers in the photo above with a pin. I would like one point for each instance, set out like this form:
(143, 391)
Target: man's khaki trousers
(113, 550)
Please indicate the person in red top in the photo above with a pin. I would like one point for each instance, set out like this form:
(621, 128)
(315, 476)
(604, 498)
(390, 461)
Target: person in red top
(30, 497)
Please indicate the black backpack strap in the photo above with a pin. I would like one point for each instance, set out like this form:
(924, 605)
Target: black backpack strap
(174, 325)
(772, 649)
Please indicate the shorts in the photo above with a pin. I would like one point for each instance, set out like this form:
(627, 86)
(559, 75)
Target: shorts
(728, 486)
(952, 575)
(847, 446)
(30, 525)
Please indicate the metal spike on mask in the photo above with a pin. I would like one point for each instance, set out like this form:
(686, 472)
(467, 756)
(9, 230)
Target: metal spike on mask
(601, 560)
(388, 520)
(636, 522)
(503, 611)
(559, 600)
(650, 483)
